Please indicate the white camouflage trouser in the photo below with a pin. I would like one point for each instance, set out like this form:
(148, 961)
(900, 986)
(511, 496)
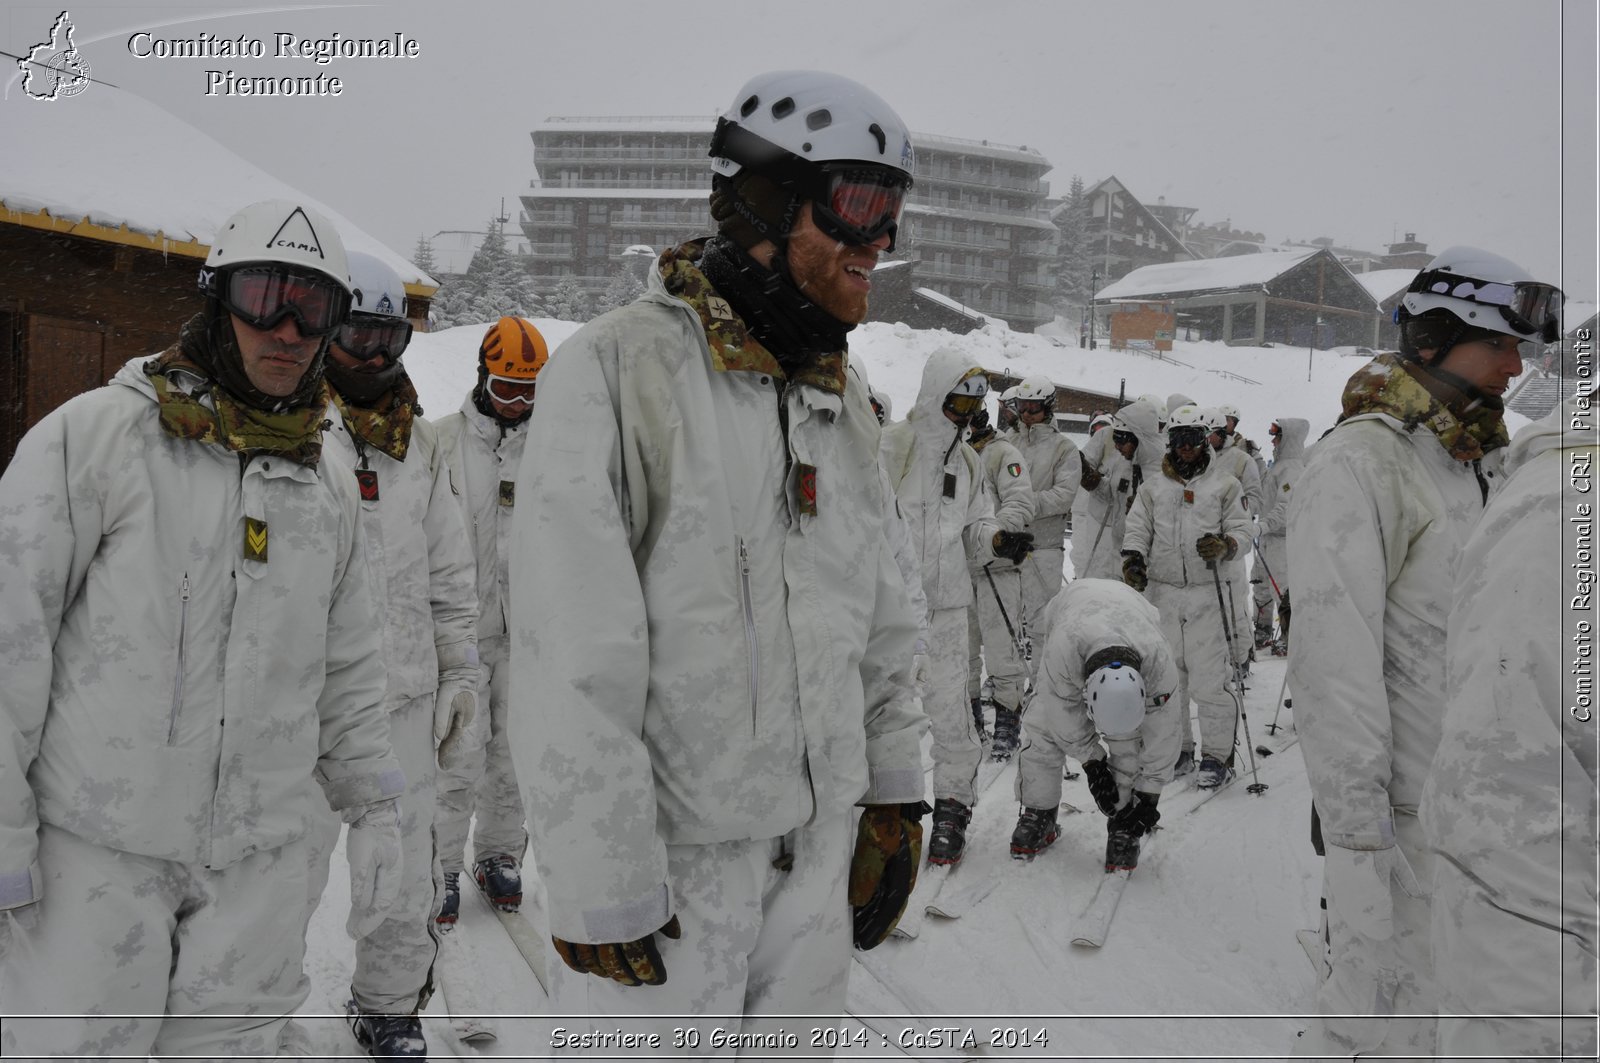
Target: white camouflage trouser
(757, 941)
(486, 781)
(394, 961)
(1504, 962)
(989, 640)
(956, 747)
(1192, 624)
(1380, 999)
(117, 941)
(1277, 565)
(1041, 581)
(1040, 762)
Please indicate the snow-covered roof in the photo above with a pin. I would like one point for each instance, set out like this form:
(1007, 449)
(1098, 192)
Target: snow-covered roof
(600, 123)
(1204, 275)
(1382, 283)
(115, 160)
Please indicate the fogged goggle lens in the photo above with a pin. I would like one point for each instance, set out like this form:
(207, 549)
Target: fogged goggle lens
(1186, 436)
(861, 205)
(511, 392)
(366, 337)
(1528, 306)
(264, 295)
(963, 405)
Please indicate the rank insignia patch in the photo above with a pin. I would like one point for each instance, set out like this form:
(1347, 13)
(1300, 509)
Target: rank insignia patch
(367, 480)
(806, 484)
(508, 492)
(255, 539)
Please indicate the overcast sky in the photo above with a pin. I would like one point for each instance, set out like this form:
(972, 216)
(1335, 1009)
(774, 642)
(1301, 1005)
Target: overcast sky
(1463, 121)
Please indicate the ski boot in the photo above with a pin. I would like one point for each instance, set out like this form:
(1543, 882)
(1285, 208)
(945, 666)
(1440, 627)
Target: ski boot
(1185, 763)
(387, 1036)
(977, 719)
(498, 878)
(1036, 829)
(1007, 733)
(1213, 773)
(1122, 851)
(450, 907)
(949, 840)
(1280, 648)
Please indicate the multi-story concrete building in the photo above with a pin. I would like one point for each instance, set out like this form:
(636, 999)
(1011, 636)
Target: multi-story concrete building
(975, 223)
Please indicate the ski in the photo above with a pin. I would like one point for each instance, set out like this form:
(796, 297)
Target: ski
(1095, 923)
(1316, 952)
(890, 1012)
(469, 1028)
(932, 878)
(528, 940)
(956, 901)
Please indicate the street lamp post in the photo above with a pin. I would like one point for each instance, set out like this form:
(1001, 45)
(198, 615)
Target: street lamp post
(1094, 286)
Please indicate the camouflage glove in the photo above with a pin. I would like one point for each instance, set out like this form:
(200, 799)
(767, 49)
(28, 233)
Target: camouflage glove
(629, 962)
(883, 870)
(1013, 546)
(373, 851)
(1091, 476)
(1133, 573)
(1102, 785)
(1214, 547)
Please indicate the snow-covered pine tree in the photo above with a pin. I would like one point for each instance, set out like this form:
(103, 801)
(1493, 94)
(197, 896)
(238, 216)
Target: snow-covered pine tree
(1073, 261)
(496, 285)
(568, 301)
(422, 255)
(623, 288)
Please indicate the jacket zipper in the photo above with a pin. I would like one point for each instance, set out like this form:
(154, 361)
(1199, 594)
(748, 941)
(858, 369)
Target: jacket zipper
(749, 630)
(177, 687)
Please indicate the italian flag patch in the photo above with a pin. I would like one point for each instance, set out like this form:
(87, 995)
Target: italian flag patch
(1014, 469)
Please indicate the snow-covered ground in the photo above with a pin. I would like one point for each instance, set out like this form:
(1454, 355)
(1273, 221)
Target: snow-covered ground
(1202, 959)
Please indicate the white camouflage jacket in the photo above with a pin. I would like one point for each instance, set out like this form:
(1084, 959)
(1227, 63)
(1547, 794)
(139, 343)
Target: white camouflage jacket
(422, 571)
(947, 526)
(1010, 488)
(1053, 465)
(483, 461)
(165, 693)
(1090, 615)
(1170, 514)
(712, 641)
(1376, 527)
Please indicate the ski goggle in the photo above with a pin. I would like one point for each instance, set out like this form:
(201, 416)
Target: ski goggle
(511, 392)
(1532, 308)
(1124, 439)
(367, 336)
(1032, 407)
(262, 296)
(860, 205)
(1187, 436)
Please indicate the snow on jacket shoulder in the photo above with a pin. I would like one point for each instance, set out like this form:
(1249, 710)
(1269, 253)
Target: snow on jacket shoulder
(1510, 798)
(1053, 464)
(421, 567)
(1376, 525)
(712, 641)
(939, 481)
(483, 458)
(165, 694)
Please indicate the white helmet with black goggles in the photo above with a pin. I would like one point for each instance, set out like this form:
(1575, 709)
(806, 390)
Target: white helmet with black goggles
(830, 140)
(966, 398)
(377, 326)
(263, 294)
(1488, 292)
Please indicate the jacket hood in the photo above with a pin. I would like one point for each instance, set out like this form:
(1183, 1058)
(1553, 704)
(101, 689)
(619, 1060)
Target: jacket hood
(1140, 418)
(1552, 432)
(1292, 444)
(132, 375)
(942, 372)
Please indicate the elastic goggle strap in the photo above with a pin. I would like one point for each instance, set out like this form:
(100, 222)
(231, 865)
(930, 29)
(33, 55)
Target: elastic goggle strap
(263, 296)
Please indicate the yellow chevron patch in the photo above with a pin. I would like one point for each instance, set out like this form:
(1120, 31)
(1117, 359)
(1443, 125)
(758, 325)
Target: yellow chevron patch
(255, 539)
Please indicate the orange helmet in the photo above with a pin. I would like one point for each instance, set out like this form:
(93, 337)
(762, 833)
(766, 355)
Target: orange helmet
(514, 349)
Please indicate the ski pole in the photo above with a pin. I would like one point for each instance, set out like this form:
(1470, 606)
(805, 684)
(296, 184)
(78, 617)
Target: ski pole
(1256, 545)
(1256, 786)
(1272, 728)
(1016, 643)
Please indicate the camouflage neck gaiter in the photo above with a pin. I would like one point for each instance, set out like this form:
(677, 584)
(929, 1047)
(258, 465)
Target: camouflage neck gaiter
(1468, 428)
(386, 423)
(295, 434)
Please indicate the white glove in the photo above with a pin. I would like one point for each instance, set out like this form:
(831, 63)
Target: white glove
(373, 851)
(921, 674)
(1360, 890)
(453, 711)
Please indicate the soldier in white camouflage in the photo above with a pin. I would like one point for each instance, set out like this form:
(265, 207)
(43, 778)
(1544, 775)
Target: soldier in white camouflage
(1376, 528)
(1509, 805)
(713, 641)
(192, 672)
(1270, 579)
